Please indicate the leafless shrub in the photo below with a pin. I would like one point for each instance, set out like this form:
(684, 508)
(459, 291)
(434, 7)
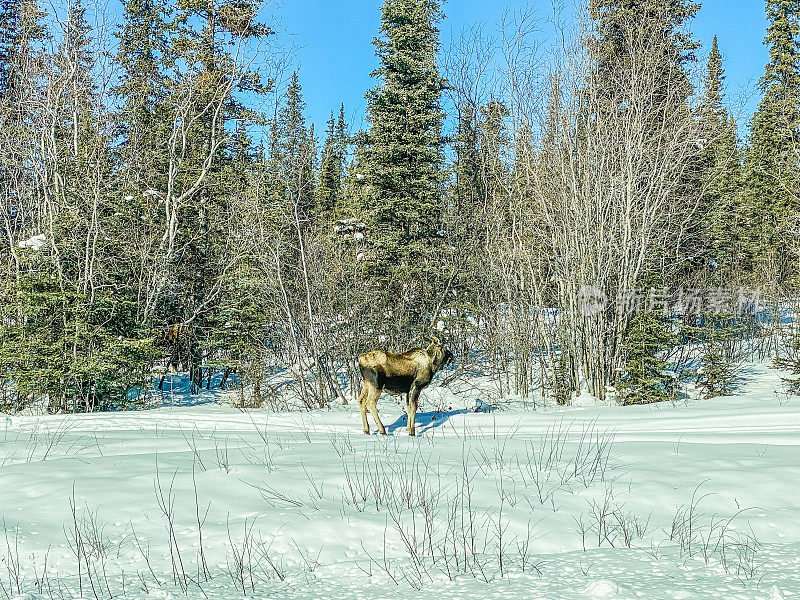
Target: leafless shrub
(13, 570)
(14, 583)
(684, 523)
(45, 441)
(276, 498)
(166, 503)
(221, 452)
(276, 567)
(90, 547)
(554, 461)
(734, 549)
(342, 443)
(240, 561)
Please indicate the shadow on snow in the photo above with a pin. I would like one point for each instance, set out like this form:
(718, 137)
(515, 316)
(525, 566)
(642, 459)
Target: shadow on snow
(426, 420)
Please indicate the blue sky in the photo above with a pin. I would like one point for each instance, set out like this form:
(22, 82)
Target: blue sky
(331, 41)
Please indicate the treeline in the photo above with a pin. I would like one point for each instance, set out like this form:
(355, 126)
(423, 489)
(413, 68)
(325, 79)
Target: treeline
(595, 224)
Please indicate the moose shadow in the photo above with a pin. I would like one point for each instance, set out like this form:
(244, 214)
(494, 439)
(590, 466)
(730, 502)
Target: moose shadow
(426, 420)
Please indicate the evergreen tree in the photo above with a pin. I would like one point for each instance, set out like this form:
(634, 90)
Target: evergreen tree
(75, 64)
(242, 156)
(401, 154)
(468, 192)
(143, 120)
(9, 33)
(646, 376)
(720, 175)
(551, 124)
(143, 124)
(653, 19)
(295, 152)
(717, 338)
(712, 110)
(77, 309)
(76, 351)
(771, 170)
(22, 63)
(308, 176)
(493, 142)
(329, 188)
(20, 28)
(207, 71)
(468, 217)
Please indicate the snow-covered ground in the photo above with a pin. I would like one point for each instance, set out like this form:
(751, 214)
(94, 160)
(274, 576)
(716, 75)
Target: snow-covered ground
(695, 500)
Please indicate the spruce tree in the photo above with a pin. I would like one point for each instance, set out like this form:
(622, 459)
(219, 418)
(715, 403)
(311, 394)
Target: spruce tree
(143, 120)
(655, 17)
(75, 63)
(712, 110)
(22, 63)
(207, 72)
(329, 188)
(402, 153)
(143, 124)
(493, 143)
(722, 227)
(645, 377)
(468, 193)
(718, 224)
(76, 304)
(10, 24)
(771, 174)
(295, 152)
(20, 28)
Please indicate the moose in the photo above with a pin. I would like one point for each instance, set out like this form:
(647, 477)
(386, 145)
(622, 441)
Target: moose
(408, 373)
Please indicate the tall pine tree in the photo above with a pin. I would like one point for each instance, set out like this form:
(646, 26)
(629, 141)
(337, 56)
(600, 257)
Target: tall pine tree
(294, 154)
(468, 189)
(329, 189)
(402, 153)
(143, 120)
(771, 169)
(22, 65)
(657, 18)
(208, 80)
(720, 175)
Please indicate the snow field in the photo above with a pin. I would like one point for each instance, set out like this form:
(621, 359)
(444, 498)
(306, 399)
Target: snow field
(697, 500)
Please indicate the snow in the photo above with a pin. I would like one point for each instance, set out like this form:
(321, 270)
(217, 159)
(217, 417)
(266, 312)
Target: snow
(35, 243)
(601, 588)
(775, 593)
(696, 499)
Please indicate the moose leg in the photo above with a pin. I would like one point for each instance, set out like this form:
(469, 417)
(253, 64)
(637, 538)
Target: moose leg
(372, 404)
(411, 410)
(362, 404)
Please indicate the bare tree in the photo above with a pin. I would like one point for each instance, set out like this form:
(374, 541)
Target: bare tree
(607, 195)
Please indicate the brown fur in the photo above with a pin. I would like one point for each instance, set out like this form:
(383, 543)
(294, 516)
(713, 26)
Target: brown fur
(408, 373)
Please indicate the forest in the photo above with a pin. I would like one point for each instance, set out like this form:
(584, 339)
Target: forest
(595, 222)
